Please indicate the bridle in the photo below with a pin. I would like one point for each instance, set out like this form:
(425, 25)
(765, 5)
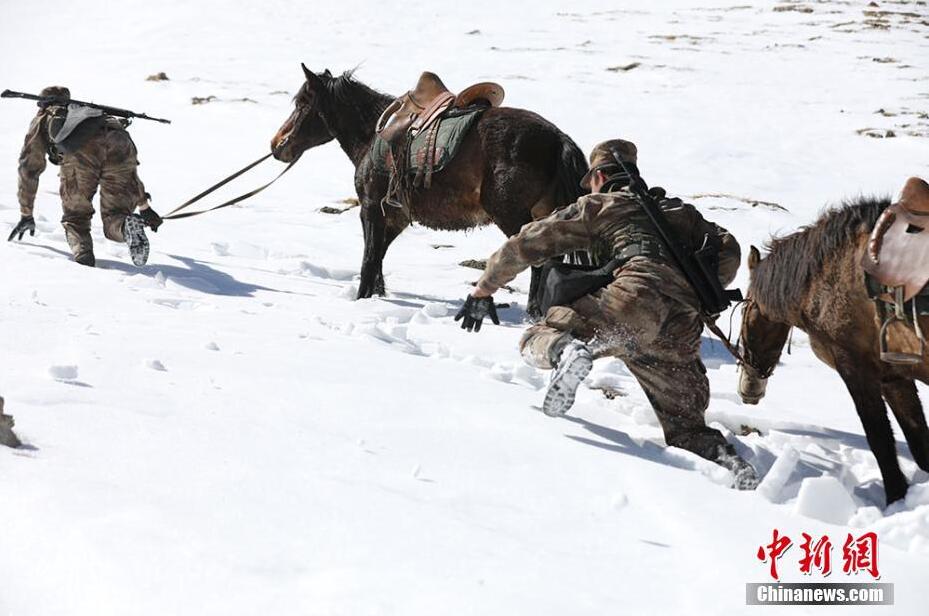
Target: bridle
(746, 361)
(303, 112)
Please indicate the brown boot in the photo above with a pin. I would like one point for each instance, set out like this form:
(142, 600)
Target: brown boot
(86, 258)
(77, 232)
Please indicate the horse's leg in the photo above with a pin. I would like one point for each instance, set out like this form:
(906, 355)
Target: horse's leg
(904, 401)
(372, 222)
(395, 225)
(865, 390)
(532, 304)
(510, 225)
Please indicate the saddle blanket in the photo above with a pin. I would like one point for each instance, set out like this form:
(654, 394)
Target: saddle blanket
(453, 128)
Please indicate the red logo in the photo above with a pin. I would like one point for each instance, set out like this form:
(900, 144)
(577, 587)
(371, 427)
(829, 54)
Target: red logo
(773, 551)
(858, 554)
(818, 555)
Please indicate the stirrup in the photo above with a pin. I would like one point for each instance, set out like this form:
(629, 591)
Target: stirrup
(901, 358)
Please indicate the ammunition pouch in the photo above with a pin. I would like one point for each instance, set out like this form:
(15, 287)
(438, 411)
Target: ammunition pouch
(564, 283)
(54, 155)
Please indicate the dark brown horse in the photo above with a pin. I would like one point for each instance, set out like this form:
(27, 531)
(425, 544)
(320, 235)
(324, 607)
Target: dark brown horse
(513, 167)
(813, 280)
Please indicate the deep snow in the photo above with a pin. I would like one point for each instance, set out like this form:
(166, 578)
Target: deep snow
(225, 432)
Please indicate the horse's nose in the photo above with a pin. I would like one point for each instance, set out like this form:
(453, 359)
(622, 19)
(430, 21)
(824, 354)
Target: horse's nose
(279, 149)
(751, 389)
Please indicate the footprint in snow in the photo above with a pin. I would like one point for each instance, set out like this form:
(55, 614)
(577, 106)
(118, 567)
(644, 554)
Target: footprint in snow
(154, 364)
(66, 375)
(63, 373)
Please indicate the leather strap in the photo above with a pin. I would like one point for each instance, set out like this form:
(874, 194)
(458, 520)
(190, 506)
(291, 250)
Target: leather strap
(174, 215)
(435, 109)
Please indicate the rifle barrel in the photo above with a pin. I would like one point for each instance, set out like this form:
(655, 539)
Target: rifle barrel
(114, 111)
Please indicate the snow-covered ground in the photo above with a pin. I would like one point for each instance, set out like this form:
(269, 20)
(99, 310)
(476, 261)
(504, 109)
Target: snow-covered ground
(226, 432)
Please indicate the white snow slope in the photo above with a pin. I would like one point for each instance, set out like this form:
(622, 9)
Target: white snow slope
(225, 431)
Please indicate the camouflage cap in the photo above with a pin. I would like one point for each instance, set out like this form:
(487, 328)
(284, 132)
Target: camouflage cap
(601, 157)
(56, 91)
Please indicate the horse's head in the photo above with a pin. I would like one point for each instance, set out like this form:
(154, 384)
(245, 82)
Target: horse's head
(762, 342)
(306, 127)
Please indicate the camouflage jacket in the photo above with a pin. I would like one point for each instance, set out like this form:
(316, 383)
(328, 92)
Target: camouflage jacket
(32, 158)
(604, 223)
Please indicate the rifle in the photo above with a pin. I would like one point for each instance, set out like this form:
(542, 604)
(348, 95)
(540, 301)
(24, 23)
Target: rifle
(60, 100)
(698, 266)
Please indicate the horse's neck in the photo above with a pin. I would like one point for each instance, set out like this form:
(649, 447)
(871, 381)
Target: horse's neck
(835, 279)
(354, 127)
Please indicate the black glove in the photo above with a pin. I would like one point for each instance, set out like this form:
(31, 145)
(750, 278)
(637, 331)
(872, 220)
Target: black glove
(151, 218)
(474, 311)
(26, 223)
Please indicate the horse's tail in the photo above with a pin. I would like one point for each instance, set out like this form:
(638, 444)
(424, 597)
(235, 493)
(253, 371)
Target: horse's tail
(572, 165)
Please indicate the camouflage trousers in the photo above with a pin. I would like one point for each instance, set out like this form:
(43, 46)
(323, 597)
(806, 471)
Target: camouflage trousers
(647, 318)
(109, 162)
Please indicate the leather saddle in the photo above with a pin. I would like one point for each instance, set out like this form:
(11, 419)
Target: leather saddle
(897, 260)
(898, 249)
(420, 108)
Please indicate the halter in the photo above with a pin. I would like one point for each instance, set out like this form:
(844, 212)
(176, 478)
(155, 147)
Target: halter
(745, 360)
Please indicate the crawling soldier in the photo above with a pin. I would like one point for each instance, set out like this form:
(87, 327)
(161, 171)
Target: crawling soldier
(93, 150)
(648, 316)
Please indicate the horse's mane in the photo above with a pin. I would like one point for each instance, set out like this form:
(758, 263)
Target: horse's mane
(346, 90)
(781, 279)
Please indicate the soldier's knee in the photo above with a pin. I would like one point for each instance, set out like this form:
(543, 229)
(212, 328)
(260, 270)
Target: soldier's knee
(563, 318)
(112, 230)
(539, 346)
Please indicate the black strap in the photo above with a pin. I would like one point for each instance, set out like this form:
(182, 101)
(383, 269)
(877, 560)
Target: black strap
(174, 215)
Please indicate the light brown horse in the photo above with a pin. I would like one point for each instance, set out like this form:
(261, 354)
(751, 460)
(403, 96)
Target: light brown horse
(813, 280)
(514, 166)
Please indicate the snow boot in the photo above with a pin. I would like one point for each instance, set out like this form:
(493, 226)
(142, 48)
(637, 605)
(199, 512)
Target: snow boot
(134, 235)
(744, 475)
(86, 258)
(573, 366)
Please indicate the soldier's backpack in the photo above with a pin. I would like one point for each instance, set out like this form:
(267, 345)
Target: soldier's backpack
(69, 128)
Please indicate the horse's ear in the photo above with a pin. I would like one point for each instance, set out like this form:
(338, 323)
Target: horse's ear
(311, 77)
(328, 74)
(754, 256)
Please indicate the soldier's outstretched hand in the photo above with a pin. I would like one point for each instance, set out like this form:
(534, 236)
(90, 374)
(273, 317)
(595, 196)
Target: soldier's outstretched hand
(474, 310)
(26, 223)
(151, 218)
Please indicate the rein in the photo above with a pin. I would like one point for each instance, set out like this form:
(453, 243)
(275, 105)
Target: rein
(713, 327)
(176, 213)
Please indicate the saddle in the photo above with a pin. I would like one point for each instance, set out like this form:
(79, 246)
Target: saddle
(420, 111)
(897, 259)
(420, 108)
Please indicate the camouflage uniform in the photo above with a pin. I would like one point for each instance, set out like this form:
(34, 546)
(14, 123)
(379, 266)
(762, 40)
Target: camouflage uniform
(7, 437)
(108, 159)
(648, 316)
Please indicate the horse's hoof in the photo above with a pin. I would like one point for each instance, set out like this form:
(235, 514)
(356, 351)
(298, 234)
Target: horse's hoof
(896, 493)
(534, 313)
